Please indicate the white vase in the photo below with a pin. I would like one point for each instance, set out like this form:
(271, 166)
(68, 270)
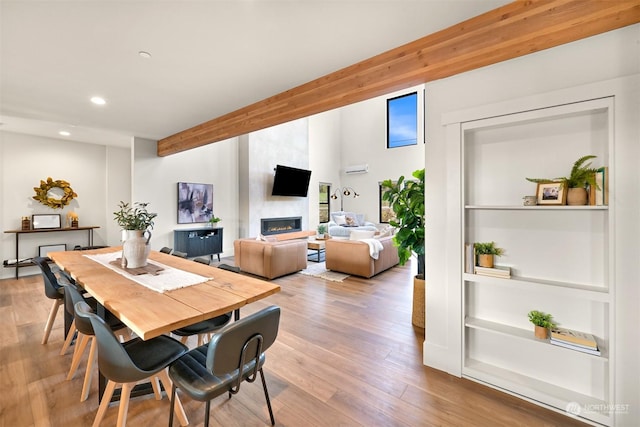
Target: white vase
(135, 248)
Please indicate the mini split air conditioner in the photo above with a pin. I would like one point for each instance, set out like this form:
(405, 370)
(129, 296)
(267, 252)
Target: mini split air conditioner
(356, 169)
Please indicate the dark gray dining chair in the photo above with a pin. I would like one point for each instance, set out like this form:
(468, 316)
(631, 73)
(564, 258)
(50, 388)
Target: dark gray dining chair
(166, 250)
(130, 362)
(86, 336)
(234, 354)
(53, 290)
(180, 254)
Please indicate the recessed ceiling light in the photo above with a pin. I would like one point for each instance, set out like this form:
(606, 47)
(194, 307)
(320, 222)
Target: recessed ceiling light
(145, 55)
(64, 133)
(98, 101)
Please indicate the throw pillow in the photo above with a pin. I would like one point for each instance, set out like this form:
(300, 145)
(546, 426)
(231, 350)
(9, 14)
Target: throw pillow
(351, 221)
(361, 234)
(340, 219)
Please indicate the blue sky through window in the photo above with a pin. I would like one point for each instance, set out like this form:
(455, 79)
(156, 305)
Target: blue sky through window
(402, 120)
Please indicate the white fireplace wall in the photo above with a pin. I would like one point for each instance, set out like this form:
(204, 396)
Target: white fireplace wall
(259, 153)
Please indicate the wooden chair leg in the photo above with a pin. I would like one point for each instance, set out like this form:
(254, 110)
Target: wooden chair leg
(77, 355)
(125, 394)
(52, 316)
(157, 391)
(104, 404)
(177, 404)
(69, 339)
(89, 372)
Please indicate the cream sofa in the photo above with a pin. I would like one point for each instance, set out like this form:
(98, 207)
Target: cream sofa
(270, 259)
(353, 257)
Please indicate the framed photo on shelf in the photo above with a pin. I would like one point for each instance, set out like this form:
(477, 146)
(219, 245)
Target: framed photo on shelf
(551, 193)
(43, 221)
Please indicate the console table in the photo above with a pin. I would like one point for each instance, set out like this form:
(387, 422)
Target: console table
(18, 264)
(198, 241)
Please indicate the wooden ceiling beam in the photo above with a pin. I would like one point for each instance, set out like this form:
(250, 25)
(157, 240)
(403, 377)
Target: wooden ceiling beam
(511, 31)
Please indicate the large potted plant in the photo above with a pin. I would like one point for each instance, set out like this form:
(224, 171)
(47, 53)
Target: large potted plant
(136, 223)
(581, 176)
(406, 199)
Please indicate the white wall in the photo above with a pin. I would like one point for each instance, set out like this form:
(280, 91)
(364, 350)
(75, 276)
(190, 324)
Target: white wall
(324, 155)
(595, 59)
(155, 181)
(27, 159)
(363, 140)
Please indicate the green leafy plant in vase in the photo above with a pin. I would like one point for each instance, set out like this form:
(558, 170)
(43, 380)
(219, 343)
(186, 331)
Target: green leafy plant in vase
(543, 322)
(582, 175)
(485, 253)
(136, 222)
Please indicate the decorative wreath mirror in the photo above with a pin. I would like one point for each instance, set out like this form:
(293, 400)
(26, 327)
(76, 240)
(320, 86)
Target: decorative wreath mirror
(55, 194)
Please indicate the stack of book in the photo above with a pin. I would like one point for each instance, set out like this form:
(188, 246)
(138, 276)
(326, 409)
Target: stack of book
(574, 340)
(497, 271)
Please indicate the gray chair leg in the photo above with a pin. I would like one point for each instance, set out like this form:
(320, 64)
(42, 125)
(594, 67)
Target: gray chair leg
(206, 413)
(266, 395)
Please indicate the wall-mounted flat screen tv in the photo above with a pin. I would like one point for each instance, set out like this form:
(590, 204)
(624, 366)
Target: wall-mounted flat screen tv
(290, 181)
(195, 202)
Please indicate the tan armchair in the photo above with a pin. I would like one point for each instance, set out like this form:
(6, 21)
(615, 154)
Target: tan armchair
(270, 259)
(352, 257)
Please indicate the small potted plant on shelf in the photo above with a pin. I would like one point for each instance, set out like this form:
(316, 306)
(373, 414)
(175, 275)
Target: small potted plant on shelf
(214, 220)
(543, 322)
(581, 176)
(485, 252)
(321, 232)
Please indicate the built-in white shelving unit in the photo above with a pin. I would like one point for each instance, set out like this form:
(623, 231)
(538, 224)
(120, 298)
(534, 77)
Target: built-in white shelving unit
(560, 257)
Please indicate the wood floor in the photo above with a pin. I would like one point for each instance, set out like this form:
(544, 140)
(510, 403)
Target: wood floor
(346, 355)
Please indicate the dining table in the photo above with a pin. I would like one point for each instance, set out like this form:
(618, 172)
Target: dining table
(171, 293)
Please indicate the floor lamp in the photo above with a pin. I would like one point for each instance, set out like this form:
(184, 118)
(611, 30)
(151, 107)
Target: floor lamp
(344, 192)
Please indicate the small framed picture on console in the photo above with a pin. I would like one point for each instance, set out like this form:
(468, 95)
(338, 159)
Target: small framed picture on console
(44, 221)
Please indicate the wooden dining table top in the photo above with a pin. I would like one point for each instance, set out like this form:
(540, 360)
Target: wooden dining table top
(150, 313)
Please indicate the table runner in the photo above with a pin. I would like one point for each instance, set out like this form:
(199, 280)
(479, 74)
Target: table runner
(168, 279)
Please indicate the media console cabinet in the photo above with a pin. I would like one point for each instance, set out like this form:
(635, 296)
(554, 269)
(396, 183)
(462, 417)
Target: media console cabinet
(198, 241)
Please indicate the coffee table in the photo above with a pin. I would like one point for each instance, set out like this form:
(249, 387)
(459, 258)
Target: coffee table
(317, 246)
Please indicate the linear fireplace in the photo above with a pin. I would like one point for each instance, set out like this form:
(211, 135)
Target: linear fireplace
(280, 225)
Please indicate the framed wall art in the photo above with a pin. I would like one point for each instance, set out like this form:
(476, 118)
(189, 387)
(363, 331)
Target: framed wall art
(195, 202)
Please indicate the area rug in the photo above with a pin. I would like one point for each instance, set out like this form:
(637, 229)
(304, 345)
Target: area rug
(320, 270)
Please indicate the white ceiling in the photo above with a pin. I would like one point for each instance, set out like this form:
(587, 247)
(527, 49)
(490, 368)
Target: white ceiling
(208, 57)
